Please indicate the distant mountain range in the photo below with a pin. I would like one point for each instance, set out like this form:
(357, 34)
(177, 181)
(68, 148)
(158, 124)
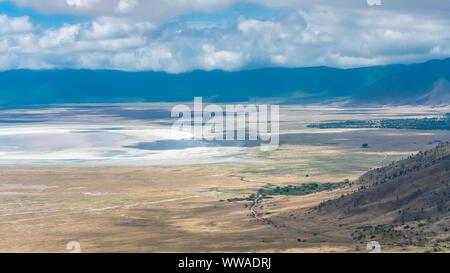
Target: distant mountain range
(424, 83)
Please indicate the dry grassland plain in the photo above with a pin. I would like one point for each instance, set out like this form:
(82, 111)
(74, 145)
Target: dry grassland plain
(185, 208)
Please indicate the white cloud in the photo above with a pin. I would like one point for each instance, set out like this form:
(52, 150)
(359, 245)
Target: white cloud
(58, 38)
(82, 4)
(163, 9)
(302, 37)
(110, 28)
(150, 9)
(221, 59)
(126, 6)
(14, 25)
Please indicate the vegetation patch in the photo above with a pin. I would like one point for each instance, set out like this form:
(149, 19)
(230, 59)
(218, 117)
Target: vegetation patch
(304, 189)
(438, 123)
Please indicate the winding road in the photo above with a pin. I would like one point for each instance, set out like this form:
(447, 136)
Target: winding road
(254, 212)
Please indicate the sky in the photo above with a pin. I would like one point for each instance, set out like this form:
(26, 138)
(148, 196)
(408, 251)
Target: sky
(177, 36)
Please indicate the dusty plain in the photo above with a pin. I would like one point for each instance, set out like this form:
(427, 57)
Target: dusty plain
(185, 208)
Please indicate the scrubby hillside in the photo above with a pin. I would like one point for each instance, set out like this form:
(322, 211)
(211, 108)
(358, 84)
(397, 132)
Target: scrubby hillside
(406, 202)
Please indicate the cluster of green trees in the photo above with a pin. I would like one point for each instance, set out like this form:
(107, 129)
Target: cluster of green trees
(303, 189)
(439, 123)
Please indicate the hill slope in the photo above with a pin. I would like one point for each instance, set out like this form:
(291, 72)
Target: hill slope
(406, 202)
(425, 84)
